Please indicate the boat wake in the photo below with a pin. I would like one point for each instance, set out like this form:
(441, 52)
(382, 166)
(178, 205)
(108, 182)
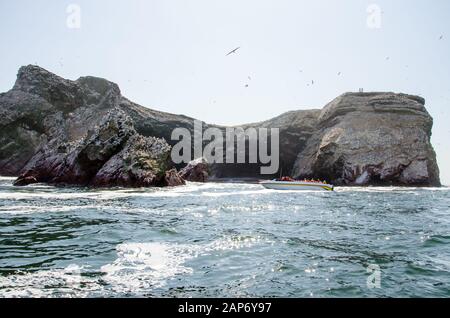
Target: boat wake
(139, 268)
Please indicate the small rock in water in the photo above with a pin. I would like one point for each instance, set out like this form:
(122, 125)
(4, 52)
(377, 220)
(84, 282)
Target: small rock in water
(196, 171)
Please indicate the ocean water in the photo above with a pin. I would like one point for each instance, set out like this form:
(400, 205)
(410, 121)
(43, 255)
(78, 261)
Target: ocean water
(223, 240)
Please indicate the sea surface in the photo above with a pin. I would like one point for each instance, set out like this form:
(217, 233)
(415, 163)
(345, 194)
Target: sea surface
(223, 240)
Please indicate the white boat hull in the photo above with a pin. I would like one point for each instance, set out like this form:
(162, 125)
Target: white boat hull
(297, 186)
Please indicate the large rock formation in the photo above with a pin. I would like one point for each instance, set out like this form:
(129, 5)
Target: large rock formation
(85, 129)
(44, 110)
(113, 154)
(371, 138)
(81, 135)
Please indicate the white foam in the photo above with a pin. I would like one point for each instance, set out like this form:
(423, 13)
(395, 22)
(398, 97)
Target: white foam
(373, 189)
(29, 209)
(143, 266)
(389, 189)
(66, 282)
(221, 194)
(10, 179)
(192, 189)
(45, 195)
(139, 268)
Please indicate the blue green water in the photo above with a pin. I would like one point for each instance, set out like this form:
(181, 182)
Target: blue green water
(223, 240)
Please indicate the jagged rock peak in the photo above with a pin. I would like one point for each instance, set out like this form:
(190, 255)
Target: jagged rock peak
(99, 85)
(33, 75)
(64, 94)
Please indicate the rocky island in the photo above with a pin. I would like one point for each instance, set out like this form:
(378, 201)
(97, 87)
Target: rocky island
(86, 133)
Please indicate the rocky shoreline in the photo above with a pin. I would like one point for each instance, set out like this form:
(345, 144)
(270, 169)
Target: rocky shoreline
(86, 133)
(114, 154)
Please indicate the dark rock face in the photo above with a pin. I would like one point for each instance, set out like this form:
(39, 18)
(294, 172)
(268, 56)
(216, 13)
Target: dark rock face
(196, 171)
(25, 180)
(85, 132)
(111, 155)
(295, 129)
(43, 110)
(371, 138)
(142, 162)
(75, 133)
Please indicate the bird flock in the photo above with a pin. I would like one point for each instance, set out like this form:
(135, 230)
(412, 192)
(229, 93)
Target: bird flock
(234, 51)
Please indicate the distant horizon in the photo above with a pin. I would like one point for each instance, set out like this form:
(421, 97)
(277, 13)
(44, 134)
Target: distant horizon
(173, 55)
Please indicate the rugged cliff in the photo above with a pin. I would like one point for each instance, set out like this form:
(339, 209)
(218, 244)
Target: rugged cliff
(371, 138)
(76, 133)
(48, 122)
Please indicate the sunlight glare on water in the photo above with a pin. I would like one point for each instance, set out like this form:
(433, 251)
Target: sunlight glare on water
(222, 240)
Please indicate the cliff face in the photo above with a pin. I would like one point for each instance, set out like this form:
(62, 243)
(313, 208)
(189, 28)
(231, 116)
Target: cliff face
(44, 110)
(359, 138)
(76, 133)
(371, 138)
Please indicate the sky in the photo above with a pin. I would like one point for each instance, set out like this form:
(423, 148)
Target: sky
(170, 55)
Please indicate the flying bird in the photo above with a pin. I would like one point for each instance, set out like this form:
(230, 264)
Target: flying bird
(441, 37)
(339, 73)
(233, 51)
(246, 85)
(249, 78)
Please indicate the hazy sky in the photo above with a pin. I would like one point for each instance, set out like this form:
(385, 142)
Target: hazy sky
(170, 55)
